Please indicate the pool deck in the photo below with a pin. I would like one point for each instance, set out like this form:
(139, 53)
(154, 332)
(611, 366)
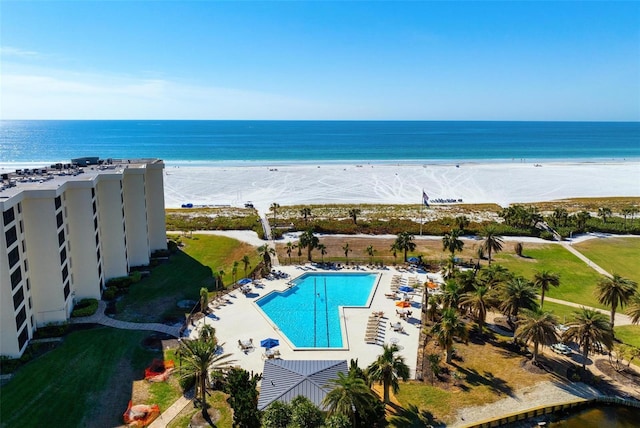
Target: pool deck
(241, 319)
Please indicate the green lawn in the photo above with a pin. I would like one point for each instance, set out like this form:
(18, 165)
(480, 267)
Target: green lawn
(615, 255)
(577, 280)
(563, 312)
(86, 381)
(629, 334)
(154, 299)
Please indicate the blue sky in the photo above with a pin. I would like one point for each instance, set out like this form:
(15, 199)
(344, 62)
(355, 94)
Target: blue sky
(320, 60)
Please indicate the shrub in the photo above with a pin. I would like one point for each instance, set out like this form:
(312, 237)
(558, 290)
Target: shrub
(186, 383)
(547, 235)
(85, 308)
(110, 293)
(51, 330)
(120, 282)
(135, 277)
(518, 248)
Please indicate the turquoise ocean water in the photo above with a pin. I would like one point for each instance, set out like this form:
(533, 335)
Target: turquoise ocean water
(261, 142)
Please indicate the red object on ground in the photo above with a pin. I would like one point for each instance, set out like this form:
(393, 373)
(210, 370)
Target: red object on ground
(140, 415)
(159, 370)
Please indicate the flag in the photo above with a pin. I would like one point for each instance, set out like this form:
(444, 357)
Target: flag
(425, 199)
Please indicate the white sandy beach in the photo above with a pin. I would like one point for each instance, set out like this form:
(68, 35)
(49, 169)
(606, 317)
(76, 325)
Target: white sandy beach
(502, 183)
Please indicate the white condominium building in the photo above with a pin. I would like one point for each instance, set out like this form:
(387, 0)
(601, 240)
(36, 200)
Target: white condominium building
(66, 230)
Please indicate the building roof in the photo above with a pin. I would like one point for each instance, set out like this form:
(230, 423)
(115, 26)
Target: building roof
(284, 380)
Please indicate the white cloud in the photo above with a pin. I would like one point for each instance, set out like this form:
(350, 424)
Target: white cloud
(8, 51)
(55, 95)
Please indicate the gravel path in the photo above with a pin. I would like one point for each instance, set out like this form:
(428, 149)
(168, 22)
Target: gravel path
(545, 393)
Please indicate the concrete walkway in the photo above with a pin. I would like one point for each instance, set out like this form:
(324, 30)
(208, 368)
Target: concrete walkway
(620, 319)
(585, 259)
(100, 318)
(170, 414)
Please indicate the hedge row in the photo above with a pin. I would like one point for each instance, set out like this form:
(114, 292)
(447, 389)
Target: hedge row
(85, 308)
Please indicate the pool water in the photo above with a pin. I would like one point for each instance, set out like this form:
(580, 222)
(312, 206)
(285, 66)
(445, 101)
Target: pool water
(308, 312)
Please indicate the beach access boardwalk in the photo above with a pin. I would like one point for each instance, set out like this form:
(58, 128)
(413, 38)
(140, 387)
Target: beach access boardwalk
(100, 318)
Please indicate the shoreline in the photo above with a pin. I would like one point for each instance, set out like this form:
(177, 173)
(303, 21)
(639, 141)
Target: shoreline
(231, 183)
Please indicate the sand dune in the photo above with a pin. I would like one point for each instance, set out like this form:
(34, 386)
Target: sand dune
(502, 183)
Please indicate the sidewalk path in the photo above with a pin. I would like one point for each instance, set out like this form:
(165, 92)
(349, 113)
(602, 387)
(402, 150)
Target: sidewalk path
(100, 318)
(585, 259)
(170, 414)
(621, 319)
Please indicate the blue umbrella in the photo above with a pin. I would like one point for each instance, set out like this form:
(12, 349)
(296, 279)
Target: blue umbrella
(244, 281)
(269, 343)
(413, 260)
(405, 288)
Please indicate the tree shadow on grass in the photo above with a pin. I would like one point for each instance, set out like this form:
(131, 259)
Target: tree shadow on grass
(475, 378)
(412, 416)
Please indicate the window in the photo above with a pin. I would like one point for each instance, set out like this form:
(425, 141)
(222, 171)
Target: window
(94, 207)
(9, 216)
(30, 303)
(58, 202)
(65, 273)
(22, 338)
(11, 236)
(26, 265)
(97, 239)
(63, 255)
(18, 298)
(66, 290)
(24, 247)
(100, 269)
(95, 223)
(21, 318)
(28, 284)
(16, 277)
(21, 227)
(61, 237)
(14, 257)
(19, 207)
(59, 219)
(93, 192)
(98, 254)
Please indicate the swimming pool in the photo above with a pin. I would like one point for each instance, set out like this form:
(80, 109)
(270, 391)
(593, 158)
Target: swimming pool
(308, 313)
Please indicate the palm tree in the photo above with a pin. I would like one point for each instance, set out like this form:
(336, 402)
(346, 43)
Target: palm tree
(450, 269)
(323, 250)
(346, 250)
(198, 358)
(404, 242)
(289, 248)
(274, 207)
(559, 217)
(538, 327)
(246, 261)
(394, 252)
(516, 294)
(451, 295)
(494, 275)
(387, 369)
(448, 328)
(615, 291)
(204, 300)
(305, 212)
(603, 213)
(265, 252)
(451, 241)
(477, 303)
(492, 241)
(461, 222)
(234, 271)
(588, 328)
(433, 307)
(543, 280)
(309, 241)
(354, 213)
(581, 219)
(349, 396)
(370, 252)
(634, 309)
